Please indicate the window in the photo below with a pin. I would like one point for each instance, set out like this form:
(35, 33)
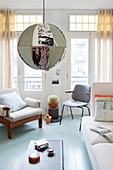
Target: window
(32, 78)
(83, 22)
(15, 66)
(79, 61)
(24, 21)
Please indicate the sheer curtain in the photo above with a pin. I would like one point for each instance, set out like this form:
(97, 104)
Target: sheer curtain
(7, 34)
(105, 45)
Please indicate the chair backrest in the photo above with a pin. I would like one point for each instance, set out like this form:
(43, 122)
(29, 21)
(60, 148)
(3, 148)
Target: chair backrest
(80, 93)
(9, 90)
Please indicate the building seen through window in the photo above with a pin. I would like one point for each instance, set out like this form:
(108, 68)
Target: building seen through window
(79, 61)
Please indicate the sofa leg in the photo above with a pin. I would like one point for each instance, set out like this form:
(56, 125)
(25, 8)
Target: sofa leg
(40, 122)
(9, 132)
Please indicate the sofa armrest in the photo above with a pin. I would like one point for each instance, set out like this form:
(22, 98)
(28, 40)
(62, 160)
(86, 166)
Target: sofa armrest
(4, 110)
(32, 102)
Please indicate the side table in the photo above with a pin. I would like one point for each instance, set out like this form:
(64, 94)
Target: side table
(54, 112)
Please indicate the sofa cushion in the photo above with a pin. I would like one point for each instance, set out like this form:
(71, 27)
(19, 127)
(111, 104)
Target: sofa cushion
(23, 113)
(13, 101)
(96, 95)
(104, 109)
(99, 96)
(100, 88)
(94, 137)
(104, 155)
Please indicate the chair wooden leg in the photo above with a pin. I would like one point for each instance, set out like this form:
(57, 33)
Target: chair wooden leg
(62, 114)
(9, 131)
(71, 113)
(40, 122)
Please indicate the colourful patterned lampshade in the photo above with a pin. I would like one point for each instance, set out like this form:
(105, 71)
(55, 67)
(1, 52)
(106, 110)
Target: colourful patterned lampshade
(41, 46)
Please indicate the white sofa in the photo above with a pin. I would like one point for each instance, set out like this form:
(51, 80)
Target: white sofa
(31, 111)
(99, 149)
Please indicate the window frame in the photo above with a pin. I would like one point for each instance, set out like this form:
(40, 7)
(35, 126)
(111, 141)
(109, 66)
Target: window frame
(91, 52)
(81, 22)
(21, 70)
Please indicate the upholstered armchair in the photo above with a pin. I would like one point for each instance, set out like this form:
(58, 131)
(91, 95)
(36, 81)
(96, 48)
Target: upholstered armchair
(14, 111)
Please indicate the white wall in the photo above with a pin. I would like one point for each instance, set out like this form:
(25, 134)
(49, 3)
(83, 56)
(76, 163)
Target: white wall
(58, 4)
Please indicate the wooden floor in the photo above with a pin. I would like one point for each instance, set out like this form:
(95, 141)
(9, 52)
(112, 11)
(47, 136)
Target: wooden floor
(75, 153)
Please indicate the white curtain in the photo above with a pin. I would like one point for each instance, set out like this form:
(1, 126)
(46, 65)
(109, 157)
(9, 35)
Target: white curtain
(105, 45)
(7, 34)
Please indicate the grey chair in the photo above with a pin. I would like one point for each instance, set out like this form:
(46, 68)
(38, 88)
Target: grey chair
(80, 99)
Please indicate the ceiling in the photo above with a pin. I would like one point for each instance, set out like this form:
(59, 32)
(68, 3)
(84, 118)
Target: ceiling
(57, 4)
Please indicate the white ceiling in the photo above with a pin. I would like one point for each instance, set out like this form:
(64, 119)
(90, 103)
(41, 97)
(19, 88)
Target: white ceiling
(57, 4)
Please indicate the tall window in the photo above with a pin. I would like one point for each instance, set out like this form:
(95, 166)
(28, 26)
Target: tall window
(32, 77)
(79, 61)
(83, 22)
(83, 48)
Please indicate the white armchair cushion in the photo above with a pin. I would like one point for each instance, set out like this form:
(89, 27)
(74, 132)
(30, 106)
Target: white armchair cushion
(23, 114)
(12, 100)
(4, 110)
(32, 102)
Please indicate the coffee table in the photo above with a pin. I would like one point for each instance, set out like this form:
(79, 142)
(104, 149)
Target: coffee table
(46, 162)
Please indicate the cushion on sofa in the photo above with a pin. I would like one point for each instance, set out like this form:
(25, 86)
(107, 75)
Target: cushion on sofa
(104, 109)
(23, 114)
(13, 101)
(93, 101)
(97, 95)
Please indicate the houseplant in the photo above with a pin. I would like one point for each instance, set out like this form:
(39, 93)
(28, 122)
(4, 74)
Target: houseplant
(53, 101)
(48, 118)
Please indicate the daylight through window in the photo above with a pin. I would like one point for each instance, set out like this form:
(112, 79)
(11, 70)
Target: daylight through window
(83, 22)
(32, 77)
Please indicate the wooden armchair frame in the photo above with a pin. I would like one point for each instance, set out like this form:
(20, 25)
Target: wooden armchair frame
(10, 125)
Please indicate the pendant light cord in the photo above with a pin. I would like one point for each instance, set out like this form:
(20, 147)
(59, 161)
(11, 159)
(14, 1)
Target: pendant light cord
(44, 11)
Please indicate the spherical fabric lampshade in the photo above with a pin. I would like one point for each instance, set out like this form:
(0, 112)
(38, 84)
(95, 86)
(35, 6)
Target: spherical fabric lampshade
(41, 46)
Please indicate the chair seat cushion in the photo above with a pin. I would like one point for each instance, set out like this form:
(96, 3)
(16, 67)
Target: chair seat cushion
(23, 114)
(72, 103)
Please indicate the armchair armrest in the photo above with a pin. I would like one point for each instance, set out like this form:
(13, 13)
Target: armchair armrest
(32, 102)
(4, 110)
